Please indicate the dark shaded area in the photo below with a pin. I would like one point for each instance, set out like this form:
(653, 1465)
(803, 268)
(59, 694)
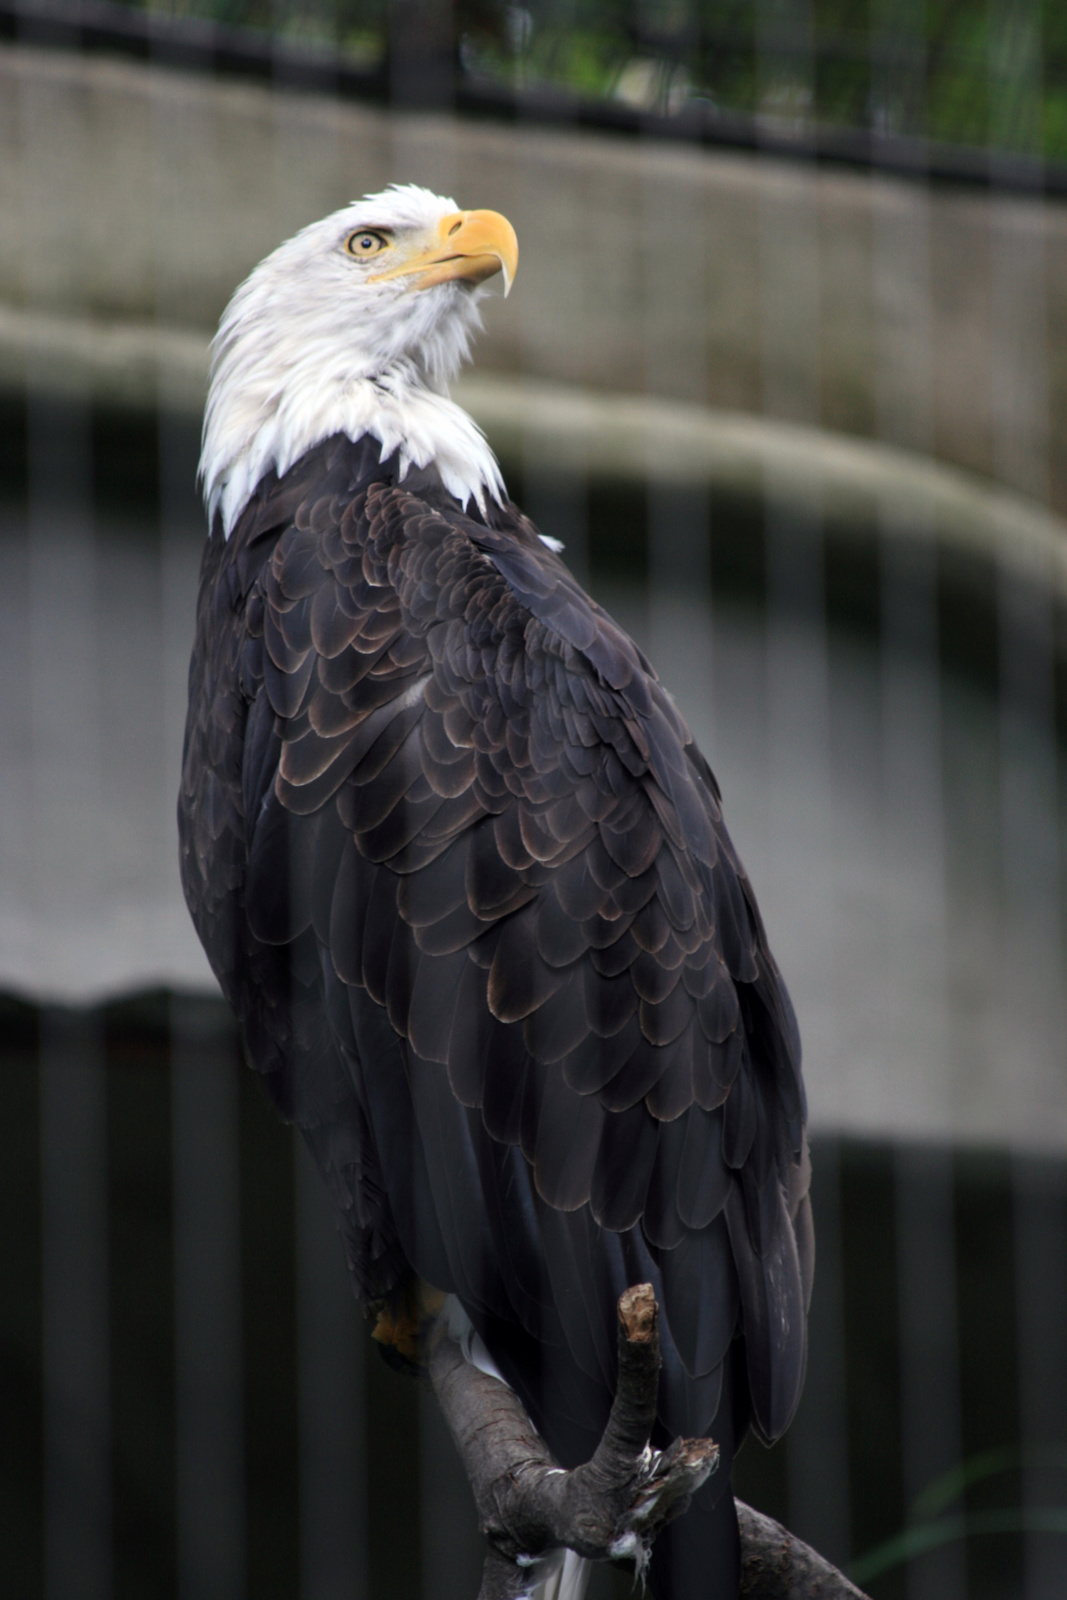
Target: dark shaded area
(125, 470)
(142, 1305)
(126, 465)
(268, 1247)
(392, 1398)
(21, 1440)
(138, 1068)
(14, 475)
(136, 1040)
(868, 1293)
(868, 1249)
(968, 625)
(992, 1449)
(985, 1255)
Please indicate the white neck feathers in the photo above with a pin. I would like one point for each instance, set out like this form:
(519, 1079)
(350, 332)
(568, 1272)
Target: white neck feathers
(247, 435)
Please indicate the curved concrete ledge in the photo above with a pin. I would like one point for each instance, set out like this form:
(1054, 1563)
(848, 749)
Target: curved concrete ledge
(124, 363)
(854, 485)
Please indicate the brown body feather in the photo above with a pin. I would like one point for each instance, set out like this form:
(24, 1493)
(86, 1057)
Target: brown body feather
(464, 876)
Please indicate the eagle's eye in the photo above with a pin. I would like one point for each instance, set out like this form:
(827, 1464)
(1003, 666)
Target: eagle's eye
(366, 242)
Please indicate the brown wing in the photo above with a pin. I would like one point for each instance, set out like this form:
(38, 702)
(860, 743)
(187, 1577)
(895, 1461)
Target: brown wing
(485, 919)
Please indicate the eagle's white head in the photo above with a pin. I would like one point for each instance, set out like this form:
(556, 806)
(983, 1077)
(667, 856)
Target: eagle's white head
(356, 326)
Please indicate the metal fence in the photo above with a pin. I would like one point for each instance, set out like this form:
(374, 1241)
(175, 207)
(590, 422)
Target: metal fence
(837, 526)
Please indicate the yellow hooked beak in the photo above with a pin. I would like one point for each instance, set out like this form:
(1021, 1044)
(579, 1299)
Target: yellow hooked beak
(472, 245)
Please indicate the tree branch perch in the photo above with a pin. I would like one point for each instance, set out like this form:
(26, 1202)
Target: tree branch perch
(615, 1504)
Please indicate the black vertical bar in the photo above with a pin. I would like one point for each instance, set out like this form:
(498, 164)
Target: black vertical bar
(989, 1353)
(140, 1190)
(395, 1532)
(207, 1305)
(331, 1346)
(452, 1547)
(929, 1359)
(269, 1343)
(868, 1250)
(78, 1555)
(21, 1341)
(817, 1442)
(1040, 1215)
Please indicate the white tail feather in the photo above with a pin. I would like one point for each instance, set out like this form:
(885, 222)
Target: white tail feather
(568, 1581)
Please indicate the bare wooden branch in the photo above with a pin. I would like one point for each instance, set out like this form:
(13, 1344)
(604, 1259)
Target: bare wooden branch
(777, 1566)
(612, 1506)
(615, 1504)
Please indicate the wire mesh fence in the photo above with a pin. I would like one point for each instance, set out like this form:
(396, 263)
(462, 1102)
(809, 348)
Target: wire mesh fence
(802, 432)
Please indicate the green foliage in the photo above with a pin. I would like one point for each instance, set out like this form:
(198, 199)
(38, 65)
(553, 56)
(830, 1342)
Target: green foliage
(916, 1541)
(928, 1526)
(976, 72)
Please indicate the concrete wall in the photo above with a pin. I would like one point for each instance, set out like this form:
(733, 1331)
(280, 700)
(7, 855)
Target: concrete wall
(933, 319)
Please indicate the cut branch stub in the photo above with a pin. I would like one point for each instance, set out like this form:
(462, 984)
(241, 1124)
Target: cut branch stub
(612, 1506)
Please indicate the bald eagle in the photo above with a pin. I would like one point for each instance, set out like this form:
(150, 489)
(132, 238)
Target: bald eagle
(463, 875)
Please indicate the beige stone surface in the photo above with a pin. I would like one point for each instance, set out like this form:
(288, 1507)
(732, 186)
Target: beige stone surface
(933, 318)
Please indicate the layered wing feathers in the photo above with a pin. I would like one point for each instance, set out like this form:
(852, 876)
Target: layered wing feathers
(420, 754)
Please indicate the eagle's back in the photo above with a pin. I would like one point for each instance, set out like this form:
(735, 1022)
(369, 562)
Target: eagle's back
(463, 874)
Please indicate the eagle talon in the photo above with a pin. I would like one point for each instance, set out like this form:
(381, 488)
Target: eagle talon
(612, 1507)
(673, 1478)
